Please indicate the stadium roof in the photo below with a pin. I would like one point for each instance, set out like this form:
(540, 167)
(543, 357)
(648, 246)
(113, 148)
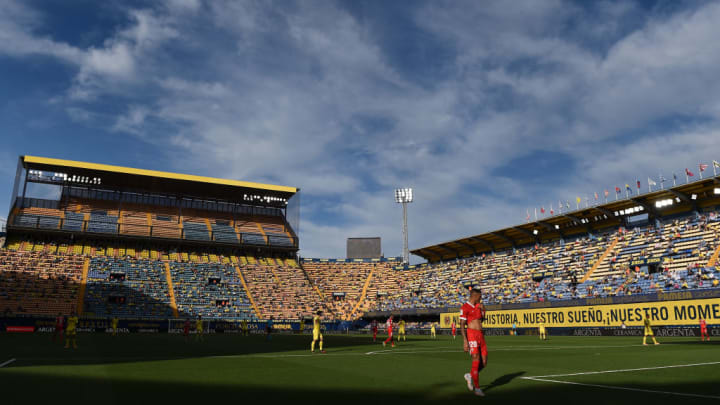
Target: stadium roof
(157, 181)
(581, 221)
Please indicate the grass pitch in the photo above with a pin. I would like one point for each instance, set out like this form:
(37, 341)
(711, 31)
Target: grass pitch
(164, 368)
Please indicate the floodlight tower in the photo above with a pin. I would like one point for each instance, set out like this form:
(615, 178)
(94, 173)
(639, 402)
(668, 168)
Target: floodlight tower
(404, 196)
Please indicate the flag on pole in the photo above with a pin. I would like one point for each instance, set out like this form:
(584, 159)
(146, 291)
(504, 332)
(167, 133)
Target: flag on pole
(596, 196)
(638, 184)
(627, 190)
(617, 192)
(688, 174)
(702, 167)
(567, 204)
(527, 218)
(606, 194)
(552, 212)
(662, 182)
(716, 165)
(542, 209)
(674, 179)
(651, 183)
(577, 200)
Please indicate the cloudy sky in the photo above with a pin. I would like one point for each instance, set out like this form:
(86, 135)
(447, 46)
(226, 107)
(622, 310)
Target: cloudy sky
(487, 109)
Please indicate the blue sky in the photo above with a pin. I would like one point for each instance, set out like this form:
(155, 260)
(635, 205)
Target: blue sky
(486, 108)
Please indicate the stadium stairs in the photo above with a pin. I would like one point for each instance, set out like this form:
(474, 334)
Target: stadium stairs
(600, 260)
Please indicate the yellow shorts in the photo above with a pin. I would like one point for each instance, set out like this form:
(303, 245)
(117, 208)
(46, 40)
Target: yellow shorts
(542, 331)
(401, 331)
(649, 332)
(317, 335)
(71, 332)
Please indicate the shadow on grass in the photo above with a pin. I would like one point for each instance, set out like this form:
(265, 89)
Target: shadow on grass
(503, 380)
(98, 348)
(19, 387)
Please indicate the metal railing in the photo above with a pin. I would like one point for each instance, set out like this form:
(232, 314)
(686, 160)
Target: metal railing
(32, 221)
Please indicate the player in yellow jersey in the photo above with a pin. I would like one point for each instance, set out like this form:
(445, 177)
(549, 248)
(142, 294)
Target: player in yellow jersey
(316, 333)
(401, 330)
(432, 331)
(114, 325)
(648, 332)
(244, 327)
(199, 329)
(71, 331)
(542, 332)
(302, 325)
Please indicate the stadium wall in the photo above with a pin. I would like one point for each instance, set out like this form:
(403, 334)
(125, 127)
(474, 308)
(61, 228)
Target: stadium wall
(661, 313)
(93, 325)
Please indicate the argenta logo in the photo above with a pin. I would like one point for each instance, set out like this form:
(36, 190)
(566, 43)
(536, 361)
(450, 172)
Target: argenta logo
(676, 332)
(587, 332)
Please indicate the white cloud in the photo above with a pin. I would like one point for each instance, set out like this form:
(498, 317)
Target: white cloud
(307, 96)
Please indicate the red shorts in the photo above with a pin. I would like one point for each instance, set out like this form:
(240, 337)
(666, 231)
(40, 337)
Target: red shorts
(476, 341)
(703, 331)
(186, 331)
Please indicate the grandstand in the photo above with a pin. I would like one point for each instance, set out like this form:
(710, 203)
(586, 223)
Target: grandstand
(621, 248)
(141, 244)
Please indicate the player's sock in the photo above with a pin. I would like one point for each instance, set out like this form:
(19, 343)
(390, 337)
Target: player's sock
(321, 342)
(312, 346)
(644, 340)
(474, 373)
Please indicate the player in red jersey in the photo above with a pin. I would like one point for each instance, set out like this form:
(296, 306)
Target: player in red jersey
(453, 330)
(374, 328)
(472, 314)
(186, 329)
(704, 331)
(59, 327)
(389, 327)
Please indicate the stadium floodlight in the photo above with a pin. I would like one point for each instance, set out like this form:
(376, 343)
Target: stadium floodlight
(535, 231)
(693, 197)
(557, 226)
(717, 190)
(404, 196)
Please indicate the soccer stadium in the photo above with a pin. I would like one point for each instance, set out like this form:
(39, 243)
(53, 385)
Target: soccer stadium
(149, 254)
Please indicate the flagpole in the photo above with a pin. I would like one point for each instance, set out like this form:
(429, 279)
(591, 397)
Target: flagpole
(700, 172)
(535, 213)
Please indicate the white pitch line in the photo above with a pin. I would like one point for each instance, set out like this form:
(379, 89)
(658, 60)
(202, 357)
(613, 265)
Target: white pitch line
(625, 370)
(6, 363)
(501, 349)
(611, 387)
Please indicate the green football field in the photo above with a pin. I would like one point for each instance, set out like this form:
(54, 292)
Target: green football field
(140, 368)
